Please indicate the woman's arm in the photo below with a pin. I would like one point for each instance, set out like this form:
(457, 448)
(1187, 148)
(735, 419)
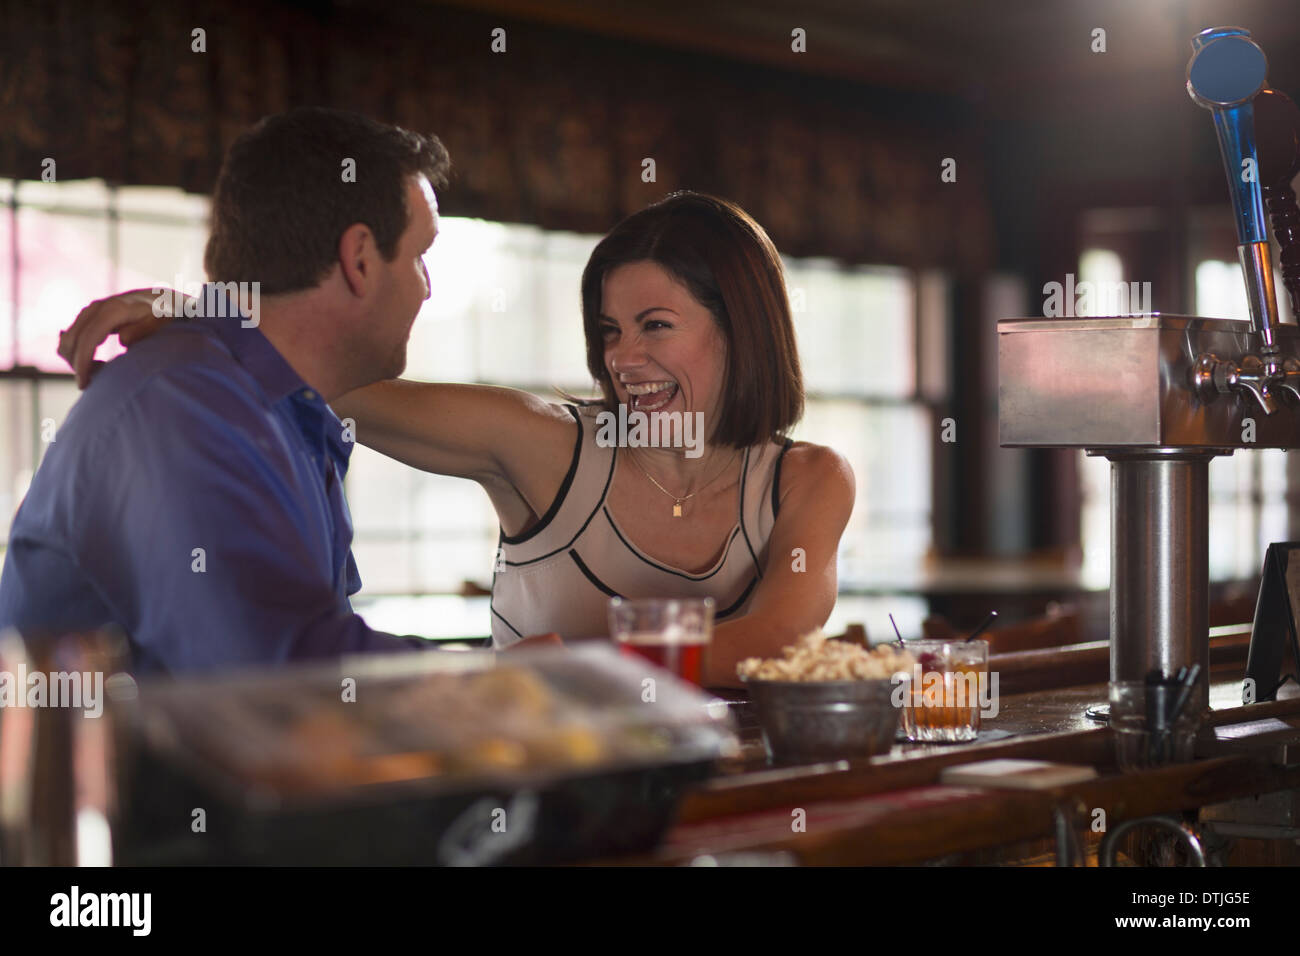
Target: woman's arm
(492, 435)
(482, 432)
(817, 491)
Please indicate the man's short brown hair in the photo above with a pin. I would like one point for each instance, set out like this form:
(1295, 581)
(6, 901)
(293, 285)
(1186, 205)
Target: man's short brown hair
(726, 260)
(282, 199)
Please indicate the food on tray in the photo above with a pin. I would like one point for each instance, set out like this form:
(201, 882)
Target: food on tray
(491, 753)
(816, 657)
(500, 697)
(511, 689)
(500, 720)
(566, 746)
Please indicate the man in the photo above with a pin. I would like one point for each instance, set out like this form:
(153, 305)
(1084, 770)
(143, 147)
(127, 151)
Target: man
(194, 495)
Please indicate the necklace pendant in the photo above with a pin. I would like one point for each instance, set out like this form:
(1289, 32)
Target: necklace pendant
(677, 509)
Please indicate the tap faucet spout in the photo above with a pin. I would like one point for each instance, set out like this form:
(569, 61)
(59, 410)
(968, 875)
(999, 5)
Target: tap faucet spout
(1253, 377)
(1212, 376)
(1289, 382)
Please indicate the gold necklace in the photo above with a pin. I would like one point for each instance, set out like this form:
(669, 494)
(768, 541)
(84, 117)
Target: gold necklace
(677, 500)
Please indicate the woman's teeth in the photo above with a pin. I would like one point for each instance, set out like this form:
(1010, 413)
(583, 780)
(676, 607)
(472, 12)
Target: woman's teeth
(650, 396)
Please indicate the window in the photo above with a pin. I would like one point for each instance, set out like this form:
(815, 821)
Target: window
(1096, 266)
(507, 311)
(62, 245)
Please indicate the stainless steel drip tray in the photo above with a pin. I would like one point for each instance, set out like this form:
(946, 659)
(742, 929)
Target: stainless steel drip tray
(1125, 382)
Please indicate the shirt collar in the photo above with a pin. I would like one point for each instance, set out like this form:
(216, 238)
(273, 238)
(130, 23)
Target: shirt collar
(273, 374)
(250, 347)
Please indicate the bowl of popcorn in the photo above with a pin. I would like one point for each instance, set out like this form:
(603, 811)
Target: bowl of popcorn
(826, 699)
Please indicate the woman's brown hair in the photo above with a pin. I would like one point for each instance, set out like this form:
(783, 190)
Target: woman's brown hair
(728, 263)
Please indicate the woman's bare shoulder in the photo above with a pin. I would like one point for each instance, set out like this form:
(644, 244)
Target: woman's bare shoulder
(542, 425)
(544, 410)
(522, 408)
(807, 468)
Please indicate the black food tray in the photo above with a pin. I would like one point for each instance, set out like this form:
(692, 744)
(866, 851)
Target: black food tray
(530, 815)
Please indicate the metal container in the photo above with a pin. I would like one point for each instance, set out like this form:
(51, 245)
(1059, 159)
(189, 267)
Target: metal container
(1140, 391)
(805, 721)
(1127, 382)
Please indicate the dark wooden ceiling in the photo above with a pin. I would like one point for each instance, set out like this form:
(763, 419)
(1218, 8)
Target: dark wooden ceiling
(1065, 128)
(1006, 54)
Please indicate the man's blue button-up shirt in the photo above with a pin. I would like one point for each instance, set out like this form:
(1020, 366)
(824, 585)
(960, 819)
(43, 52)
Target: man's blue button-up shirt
(194, 497)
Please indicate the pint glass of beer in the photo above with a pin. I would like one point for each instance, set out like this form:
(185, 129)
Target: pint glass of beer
(669, 632)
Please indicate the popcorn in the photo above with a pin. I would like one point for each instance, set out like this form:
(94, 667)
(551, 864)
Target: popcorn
(815, 657)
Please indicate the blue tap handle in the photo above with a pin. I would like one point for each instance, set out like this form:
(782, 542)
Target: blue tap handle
(1226, 72)
(1227, 69)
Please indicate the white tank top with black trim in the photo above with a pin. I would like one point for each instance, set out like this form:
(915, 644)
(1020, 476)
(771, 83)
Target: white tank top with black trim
(560, 574)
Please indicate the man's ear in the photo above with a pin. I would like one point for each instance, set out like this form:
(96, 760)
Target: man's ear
(357, 258)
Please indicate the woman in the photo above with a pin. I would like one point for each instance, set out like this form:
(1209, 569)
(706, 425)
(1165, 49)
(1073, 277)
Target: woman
(684, 311)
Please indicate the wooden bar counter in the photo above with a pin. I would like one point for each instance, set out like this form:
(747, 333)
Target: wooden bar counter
(892, 809)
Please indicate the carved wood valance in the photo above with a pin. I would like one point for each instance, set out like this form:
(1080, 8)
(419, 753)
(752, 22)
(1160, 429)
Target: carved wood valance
(554, 131)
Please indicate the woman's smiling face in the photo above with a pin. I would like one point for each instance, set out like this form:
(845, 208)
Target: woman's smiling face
(663, 350)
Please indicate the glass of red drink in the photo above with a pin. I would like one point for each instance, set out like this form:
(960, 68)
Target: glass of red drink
(671, 633)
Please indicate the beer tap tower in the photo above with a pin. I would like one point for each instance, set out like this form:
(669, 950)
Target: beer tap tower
(1159, 396)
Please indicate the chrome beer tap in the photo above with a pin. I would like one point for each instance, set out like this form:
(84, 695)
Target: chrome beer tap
(1119, 385)
(1213, 376)
(1226, 72)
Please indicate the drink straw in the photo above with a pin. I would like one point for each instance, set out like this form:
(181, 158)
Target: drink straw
(897, 631)
(1189, 680)
(993, 616)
